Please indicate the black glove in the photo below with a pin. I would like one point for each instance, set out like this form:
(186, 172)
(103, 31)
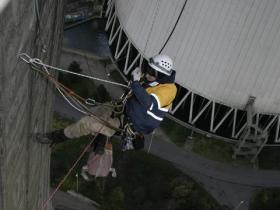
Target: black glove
(138, 142)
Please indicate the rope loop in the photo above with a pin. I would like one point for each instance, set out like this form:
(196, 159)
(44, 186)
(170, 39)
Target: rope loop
(35, 62)
(26, 58)
(90, 101)
(76, 101)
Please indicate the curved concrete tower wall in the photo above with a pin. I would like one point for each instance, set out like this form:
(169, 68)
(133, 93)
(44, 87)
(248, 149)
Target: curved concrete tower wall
(223, 50)
(34, 27)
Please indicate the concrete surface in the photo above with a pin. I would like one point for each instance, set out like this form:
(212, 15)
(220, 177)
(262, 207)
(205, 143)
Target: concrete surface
(72, 201)
(26, 100)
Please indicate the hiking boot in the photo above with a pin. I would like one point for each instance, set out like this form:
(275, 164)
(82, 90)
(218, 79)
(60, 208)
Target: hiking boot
(54, 137)
(43, 138)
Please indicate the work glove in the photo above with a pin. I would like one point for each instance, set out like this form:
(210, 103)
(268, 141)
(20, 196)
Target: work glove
(136, 74)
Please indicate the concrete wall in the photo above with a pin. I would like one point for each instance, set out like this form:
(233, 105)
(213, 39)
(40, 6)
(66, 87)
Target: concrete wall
(26, 100)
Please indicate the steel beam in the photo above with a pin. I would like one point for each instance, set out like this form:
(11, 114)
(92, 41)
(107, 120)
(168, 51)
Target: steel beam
(127, 56)
(201, 112)
(191, 108)
(111, 39)
(240, 130)
(270, 123)
(223, 119)
(112, 30)
(122, 49)
(109, 8)
(180, 102)
(132, 64)
(234, 123)
(110, 19)
(118, 43)
(212, 116)
(277, 139)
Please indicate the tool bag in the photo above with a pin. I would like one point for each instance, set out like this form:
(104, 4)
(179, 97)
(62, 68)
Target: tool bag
(100, 165)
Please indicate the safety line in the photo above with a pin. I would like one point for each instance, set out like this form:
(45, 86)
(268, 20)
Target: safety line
(152, 25)
(44, 205)
(35, 61)
(151, 141)
(65, 91)
(175, 25)
(75, 97)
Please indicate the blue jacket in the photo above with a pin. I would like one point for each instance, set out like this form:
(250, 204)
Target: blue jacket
(147, 107)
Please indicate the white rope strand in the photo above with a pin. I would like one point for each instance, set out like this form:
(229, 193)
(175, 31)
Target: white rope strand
(36, 61)
(70, 103)
(151, 141)
(152, 25)
(61, 91)
(73, 99)
(35, 66)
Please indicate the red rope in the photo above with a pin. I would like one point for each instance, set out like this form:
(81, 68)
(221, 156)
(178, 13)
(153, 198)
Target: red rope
(44, 205)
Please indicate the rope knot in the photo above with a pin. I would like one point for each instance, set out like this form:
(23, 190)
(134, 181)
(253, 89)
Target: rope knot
(26, 58)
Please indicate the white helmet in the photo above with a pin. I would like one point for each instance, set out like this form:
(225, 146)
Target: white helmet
(161, 63)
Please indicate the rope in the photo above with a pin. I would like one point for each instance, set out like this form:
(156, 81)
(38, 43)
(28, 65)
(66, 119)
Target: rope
(171, 33)
(44, 205)
(151, 141)
(36, 7)
(70, 103)
(37, 62)
(152, 26)
(66, 92)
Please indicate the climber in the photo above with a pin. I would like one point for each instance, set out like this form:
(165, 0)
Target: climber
(143, 112)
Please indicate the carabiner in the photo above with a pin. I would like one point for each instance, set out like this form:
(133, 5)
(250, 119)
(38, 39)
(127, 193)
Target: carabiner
(26, 58)
(90, 101)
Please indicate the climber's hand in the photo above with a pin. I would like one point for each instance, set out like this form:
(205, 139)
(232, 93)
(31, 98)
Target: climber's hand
(136, 74)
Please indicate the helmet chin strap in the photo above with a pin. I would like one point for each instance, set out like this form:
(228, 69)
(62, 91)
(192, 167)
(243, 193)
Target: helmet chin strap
(153, 84)
(150, 83)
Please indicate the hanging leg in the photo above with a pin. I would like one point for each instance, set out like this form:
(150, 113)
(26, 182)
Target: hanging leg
(53, 137)
(87, 125)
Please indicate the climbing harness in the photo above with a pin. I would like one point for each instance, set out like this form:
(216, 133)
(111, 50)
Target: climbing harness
(131, 139)
(128, 136)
